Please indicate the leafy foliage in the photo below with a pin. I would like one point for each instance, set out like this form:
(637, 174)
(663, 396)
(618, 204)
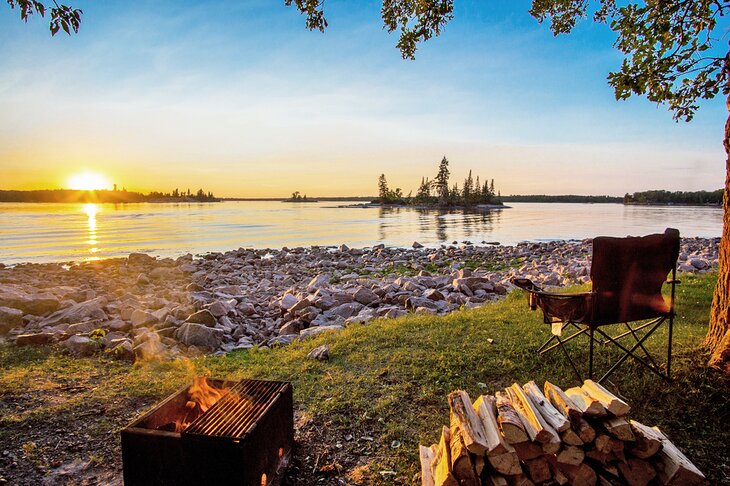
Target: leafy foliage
(668, 46)
(63, 17)
(417, 20)
(676, 197)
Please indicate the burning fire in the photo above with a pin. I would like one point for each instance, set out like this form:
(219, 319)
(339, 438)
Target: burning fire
(201, 396)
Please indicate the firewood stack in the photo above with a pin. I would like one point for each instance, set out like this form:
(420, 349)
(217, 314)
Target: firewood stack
(523, 436)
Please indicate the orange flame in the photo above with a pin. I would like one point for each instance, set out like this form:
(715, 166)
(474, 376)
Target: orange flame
(201, 396)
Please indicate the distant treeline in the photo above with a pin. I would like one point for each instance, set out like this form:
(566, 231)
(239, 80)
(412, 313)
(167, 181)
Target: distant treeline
(104, 196)
(568, 198)
(437, 192)
(701, 198)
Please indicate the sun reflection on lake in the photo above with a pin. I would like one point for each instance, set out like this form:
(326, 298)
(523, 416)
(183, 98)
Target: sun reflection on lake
(91, 211)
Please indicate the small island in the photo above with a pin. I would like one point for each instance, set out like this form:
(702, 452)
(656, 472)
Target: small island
(296, 197)
(436, 193)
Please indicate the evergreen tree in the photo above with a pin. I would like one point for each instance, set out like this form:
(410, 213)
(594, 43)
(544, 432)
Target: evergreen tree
(442, 181)
(383, 191)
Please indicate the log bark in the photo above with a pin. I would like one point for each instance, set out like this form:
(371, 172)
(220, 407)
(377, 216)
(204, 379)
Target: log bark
(717, 340)
(588, 405)
(610, 402)
(465, 418)
(582, 475)
(673, 467)
(441, 465)
(509, 420)
(495, 480)
(461, 466)
(648, 442)
(562, 402)
(426, 454)
(486, 413)
(554, 418)
(535, 426)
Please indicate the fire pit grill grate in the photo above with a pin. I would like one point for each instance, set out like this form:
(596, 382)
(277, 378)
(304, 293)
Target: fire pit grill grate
(238, 411)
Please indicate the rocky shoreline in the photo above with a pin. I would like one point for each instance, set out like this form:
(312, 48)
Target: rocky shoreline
(142, 307)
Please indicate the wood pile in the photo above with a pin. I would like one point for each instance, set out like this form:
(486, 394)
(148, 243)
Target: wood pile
(523, 436)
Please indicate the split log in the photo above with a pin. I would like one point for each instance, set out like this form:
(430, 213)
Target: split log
(673, 467)
(620, 428)
(500, 454)
(598, 456)
(441, 464)
(509, 420)
(562, 402)
(582, 475)
(519, 480)
(486, 414)
(553, 418)
(538, 469)
(571, 438)
(588, 405)
(610, 402)
(584, 430)
(464, 417)
(571, 455)
(535, 426)
(636, 472)
(558, 475)
(461, 465)
(426, 454)
(495, 480)
(478, 464)
(603, 443)
(552, 446)
(527, 450)
(647, 443)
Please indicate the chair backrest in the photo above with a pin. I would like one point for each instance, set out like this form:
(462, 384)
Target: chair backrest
(628, 274)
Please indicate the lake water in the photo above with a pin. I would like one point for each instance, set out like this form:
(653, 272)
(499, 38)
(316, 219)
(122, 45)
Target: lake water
(62, 232)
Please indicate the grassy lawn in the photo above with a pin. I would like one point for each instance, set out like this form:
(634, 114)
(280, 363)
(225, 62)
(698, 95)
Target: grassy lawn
(360, 416)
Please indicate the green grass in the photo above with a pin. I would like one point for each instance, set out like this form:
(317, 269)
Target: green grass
(388, 381)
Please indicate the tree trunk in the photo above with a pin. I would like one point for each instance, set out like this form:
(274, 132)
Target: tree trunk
(718, 334)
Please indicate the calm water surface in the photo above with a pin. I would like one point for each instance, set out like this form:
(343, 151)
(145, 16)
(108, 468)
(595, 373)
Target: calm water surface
(61, 232)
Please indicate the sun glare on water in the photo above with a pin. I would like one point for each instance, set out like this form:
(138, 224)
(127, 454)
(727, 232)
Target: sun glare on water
(88, 181)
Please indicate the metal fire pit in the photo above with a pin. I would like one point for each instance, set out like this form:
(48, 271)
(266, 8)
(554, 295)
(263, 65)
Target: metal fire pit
(243, 439)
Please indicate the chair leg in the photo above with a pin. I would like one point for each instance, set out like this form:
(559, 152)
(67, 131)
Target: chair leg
(570, 360)
(590, 356)
(669, 347)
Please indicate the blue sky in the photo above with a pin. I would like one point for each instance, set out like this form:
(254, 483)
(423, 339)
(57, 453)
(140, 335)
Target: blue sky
(238, 97)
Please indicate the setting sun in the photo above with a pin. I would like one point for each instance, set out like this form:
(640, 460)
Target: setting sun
(88, 181)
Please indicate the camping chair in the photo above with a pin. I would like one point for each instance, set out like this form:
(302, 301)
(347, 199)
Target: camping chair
(627, 275)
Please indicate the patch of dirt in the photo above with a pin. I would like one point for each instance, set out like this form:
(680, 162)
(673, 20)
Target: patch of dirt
(82, 446)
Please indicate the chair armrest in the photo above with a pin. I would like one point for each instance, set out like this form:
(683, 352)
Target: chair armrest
(528, 286)
(674, 281)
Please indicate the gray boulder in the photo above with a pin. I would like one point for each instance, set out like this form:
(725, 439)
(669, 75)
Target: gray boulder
(314, 331)
(194, 334)
(204, 317)
(10, 318)
(91, 309)
(80, 346)
(142, 318)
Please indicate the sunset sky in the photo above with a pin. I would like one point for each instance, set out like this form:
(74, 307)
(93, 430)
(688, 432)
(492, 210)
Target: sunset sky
(240, 99)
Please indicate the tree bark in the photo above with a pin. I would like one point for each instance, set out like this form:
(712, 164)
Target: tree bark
(718, 334)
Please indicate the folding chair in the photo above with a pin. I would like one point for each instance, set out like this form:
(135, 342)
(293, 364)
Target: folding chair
(627, 276)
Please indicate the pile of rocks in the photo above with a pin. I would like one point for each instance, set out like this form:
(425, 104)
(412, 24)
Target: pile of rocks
(142, 307)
